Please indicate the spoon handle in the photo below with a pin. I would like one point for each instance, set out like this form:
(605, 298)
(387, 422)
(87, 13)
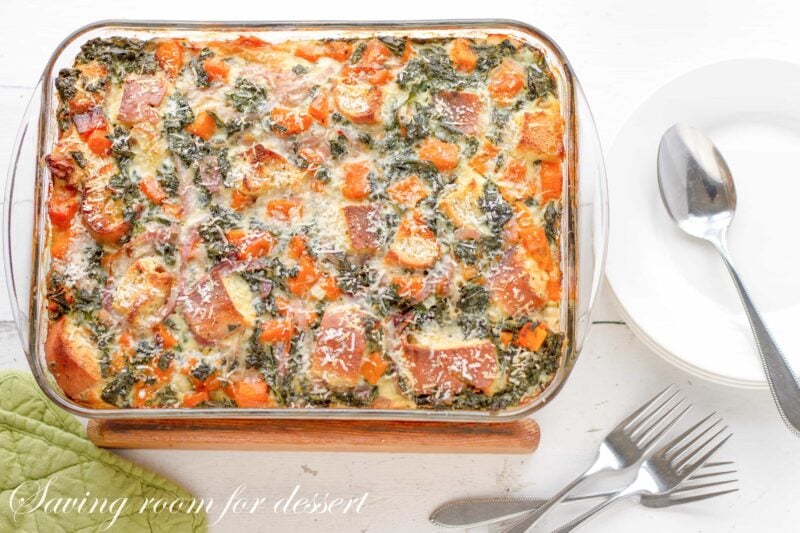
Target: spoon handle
(782, 381)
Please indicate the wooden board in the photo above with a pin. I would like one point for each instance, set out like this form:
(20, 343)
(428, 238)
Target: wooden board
(519, 437)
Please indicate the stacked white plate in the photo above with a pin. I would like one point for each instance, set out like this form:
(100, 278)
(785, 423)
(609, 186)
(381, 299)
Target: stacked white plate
(673, 290)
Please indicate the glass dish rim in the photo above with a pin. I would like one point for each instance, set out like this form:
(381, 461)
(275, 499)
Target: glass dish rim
(570, 250)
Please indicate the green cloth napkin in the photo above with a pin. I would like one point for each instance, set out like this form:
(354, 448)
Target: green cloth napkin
(41, 444)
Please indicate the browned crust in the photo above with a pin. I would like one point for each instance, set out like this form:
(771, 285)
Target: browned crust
(341, 343)
(143, 290)
(210, 312)
(540, 136)
(511, 288)
(361, 227)
(102, 216)
(265, 165)
(460, 109)
(449, 370)
(414, 244)
(359, 102)
(73, 364)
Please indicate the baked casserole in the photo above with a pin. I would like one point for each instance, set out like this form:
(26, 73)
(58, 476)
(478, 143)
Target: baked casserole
(366, 222)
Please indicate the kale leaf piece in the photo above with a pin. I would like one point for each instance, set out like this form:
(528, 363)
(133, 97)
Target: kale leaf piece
(551, 222)
(120, 55)
(540, 82)
(432, 71)
(66, 83)
(117, 391)
(473, 298)
(246, 96)
(213, 229)
(496, 209)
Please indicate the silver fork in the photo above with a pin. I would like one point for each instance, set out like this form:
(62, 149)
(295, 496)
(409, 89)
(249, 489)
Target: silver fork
(626, 444)
(665, 471)
(476, 512)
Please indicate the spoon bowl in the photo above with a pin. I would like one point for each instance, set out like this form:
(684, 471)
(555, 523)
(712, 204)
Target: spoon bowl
(695, 182)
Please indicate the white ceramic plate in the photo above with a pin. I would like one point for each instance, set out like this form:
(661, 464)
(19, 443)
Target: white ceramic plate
(672, 289)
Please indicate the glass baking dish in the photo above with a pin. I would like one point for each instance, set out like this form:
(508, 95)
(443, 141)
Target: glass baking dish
(584, 222)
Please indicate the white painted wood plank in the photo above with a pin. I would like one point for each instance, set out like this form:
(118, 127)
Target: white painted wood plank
(11, 355)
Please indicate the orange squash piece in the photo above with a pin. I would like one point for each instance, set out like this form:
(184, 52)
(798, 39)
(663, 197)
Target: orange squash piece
(168, 340)
(480, 163)
(203, 126)
(373, 367)
(252, 394)
(462, 55)
(193, 399)
(252, 244)
(554, 286)
(307, 276)
(409, 286)
(375, 53)
(551, 181)
(297, 247)
(289, 121)
(98, 143)
(408, 192)
(531, 338)
(240, 201)
(216, 70)
(338, 50)
(169, 55)
(444, 156)
(63, 205)
(284, 210)
(60, 240)
(152, 190)
(278, 330)
(356, 184)
(319, 108)
(506, 81)
(331, 288)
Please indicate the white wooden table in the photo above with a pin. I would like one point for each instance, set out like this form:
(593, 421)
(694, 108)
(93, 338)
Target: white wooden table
(622, 51)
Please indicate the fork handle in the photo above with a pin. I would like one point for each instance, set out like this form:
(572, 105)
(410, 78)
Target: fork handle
(619, 496)
(531, 518)
(483, 511)
(782, 381)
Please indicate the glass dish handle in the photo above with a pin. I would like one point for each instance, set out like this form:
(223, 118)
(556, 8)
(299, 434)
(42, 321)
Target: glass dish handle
(592, 224)
(18, 216)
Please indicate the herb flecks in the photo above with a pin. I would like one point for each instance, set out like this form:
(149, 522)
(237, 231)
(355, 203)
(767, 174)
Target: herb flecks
(246, 96)
(120, 55)
(496, 209)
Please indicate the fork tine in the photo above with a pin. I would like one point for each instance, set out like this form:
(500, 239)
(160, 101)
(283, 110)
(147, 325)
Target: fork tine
(692, 444)
(670, 448)
(695, 465)
(657, 437)
(656, 415)
(700, 497)
(718, 463)
(704, 485)
(690, 453)
(712, 474)
(635, 415)
(642, 420)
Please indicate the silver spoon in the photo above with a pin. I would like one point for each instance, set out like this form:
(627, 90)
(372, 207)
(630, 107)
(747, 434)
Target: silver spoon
(697, 190)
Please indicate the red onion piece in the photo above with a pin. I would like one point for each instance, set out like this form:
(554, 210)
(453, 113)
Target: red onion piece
(266, 288)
